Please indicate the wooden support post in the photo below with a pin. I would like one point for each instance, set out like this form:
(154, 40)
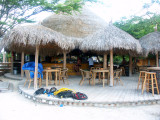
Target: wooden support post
(130, 65)
(111, 68)
(36, 66)
(12, 55)
(105, 61)
(157, 60)
(4, 57)
(64, 59)
(22, 63)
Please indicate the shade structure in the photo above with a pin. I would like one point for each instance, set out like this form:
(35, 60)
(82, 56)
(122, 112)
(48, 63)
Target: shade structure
(36, 39)
(109, 38)
(150, 43)
(114, 40)
(25, 38)
(78, 25)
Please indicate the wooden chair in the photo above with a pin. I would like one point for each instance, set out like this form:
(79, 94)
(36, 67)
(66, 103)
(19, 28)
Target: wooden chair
(150, 78)
(123, 71)
(117, 77)
(85, 75)
(27, 73)
(92, 68)
(63, 75)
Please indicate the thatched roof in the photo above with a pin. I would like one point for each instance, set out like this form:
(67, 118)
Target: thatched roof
(25, 38)
(150, 43)
(109, 38)
(77, 25)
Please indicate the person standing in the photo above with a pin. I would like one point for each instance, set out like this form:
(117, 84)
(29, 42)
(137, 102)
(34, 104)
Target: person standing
(78, 65)
(91, 63)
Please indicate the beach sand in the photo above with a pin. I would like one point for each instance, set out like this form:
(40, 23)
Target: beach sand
(14, 106)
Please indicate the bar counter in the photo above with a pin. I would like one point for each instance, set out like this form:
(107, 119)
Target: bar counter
(70, 66)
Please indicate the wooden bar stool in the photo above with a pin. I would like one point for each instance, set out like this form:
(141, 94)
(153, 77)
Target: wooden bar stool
(141, 77)
(150, 78)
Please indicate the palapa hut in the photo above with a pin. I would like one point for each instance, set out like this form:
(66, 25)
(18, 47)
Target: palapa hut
(78, 25)
(25, 38)
(151, 44)
(114, 40)
(38, 40)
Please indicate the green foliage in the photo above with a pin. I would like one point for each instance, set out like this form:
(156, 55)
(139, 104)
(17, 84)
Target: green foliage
(14, 12)
(138, 26)
(69, 6)
(117, 60)
(8, 55)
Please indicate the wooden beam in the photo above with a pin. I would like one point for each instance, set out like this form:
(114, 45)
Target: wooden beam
(36, 66)
(4, 57)
(105, 61)
(111, 68)
(130, 65)
(12, 55)
(64, 59)
(22, 63)
(157, 60)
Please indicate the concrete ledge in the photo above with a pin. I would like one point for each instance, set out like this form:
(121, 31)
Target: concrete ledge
(13, 77)
(84, 103)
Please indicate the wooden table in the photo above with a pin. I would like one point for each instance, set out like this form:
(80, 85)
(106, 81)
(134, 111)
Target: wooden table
(50, 71)
(99, 71)
(153, 68)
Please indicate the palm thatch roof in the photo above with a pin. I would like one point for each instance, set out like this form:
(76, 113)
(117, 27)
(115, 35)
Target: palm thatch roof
(109, 38)
(78, 25)
(150, 43)
(25, 38)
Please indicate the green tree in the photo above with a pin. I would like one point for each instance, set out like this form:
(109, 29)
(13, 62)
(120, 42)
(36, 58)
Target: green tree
(138, 26)
(13, 12)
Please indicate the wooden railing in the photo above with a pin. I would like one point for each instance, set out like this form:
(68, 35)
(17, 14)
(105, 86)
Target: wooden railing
(5, 67)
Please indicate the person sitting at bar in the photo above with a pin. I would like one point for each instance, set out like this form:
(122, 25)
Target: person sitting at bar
(78, 65)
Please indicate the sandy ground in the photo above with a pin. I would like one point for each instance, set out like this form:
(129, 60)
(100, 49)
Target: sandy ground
(14, 106)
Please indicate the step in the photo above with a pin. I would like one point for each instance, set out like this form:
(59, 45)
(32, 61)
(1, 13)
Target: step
(1, 73)
(6, 87)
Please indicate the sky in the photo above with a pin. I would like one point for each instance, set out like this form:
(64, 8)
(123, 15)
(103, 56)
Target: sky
(113, 9)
